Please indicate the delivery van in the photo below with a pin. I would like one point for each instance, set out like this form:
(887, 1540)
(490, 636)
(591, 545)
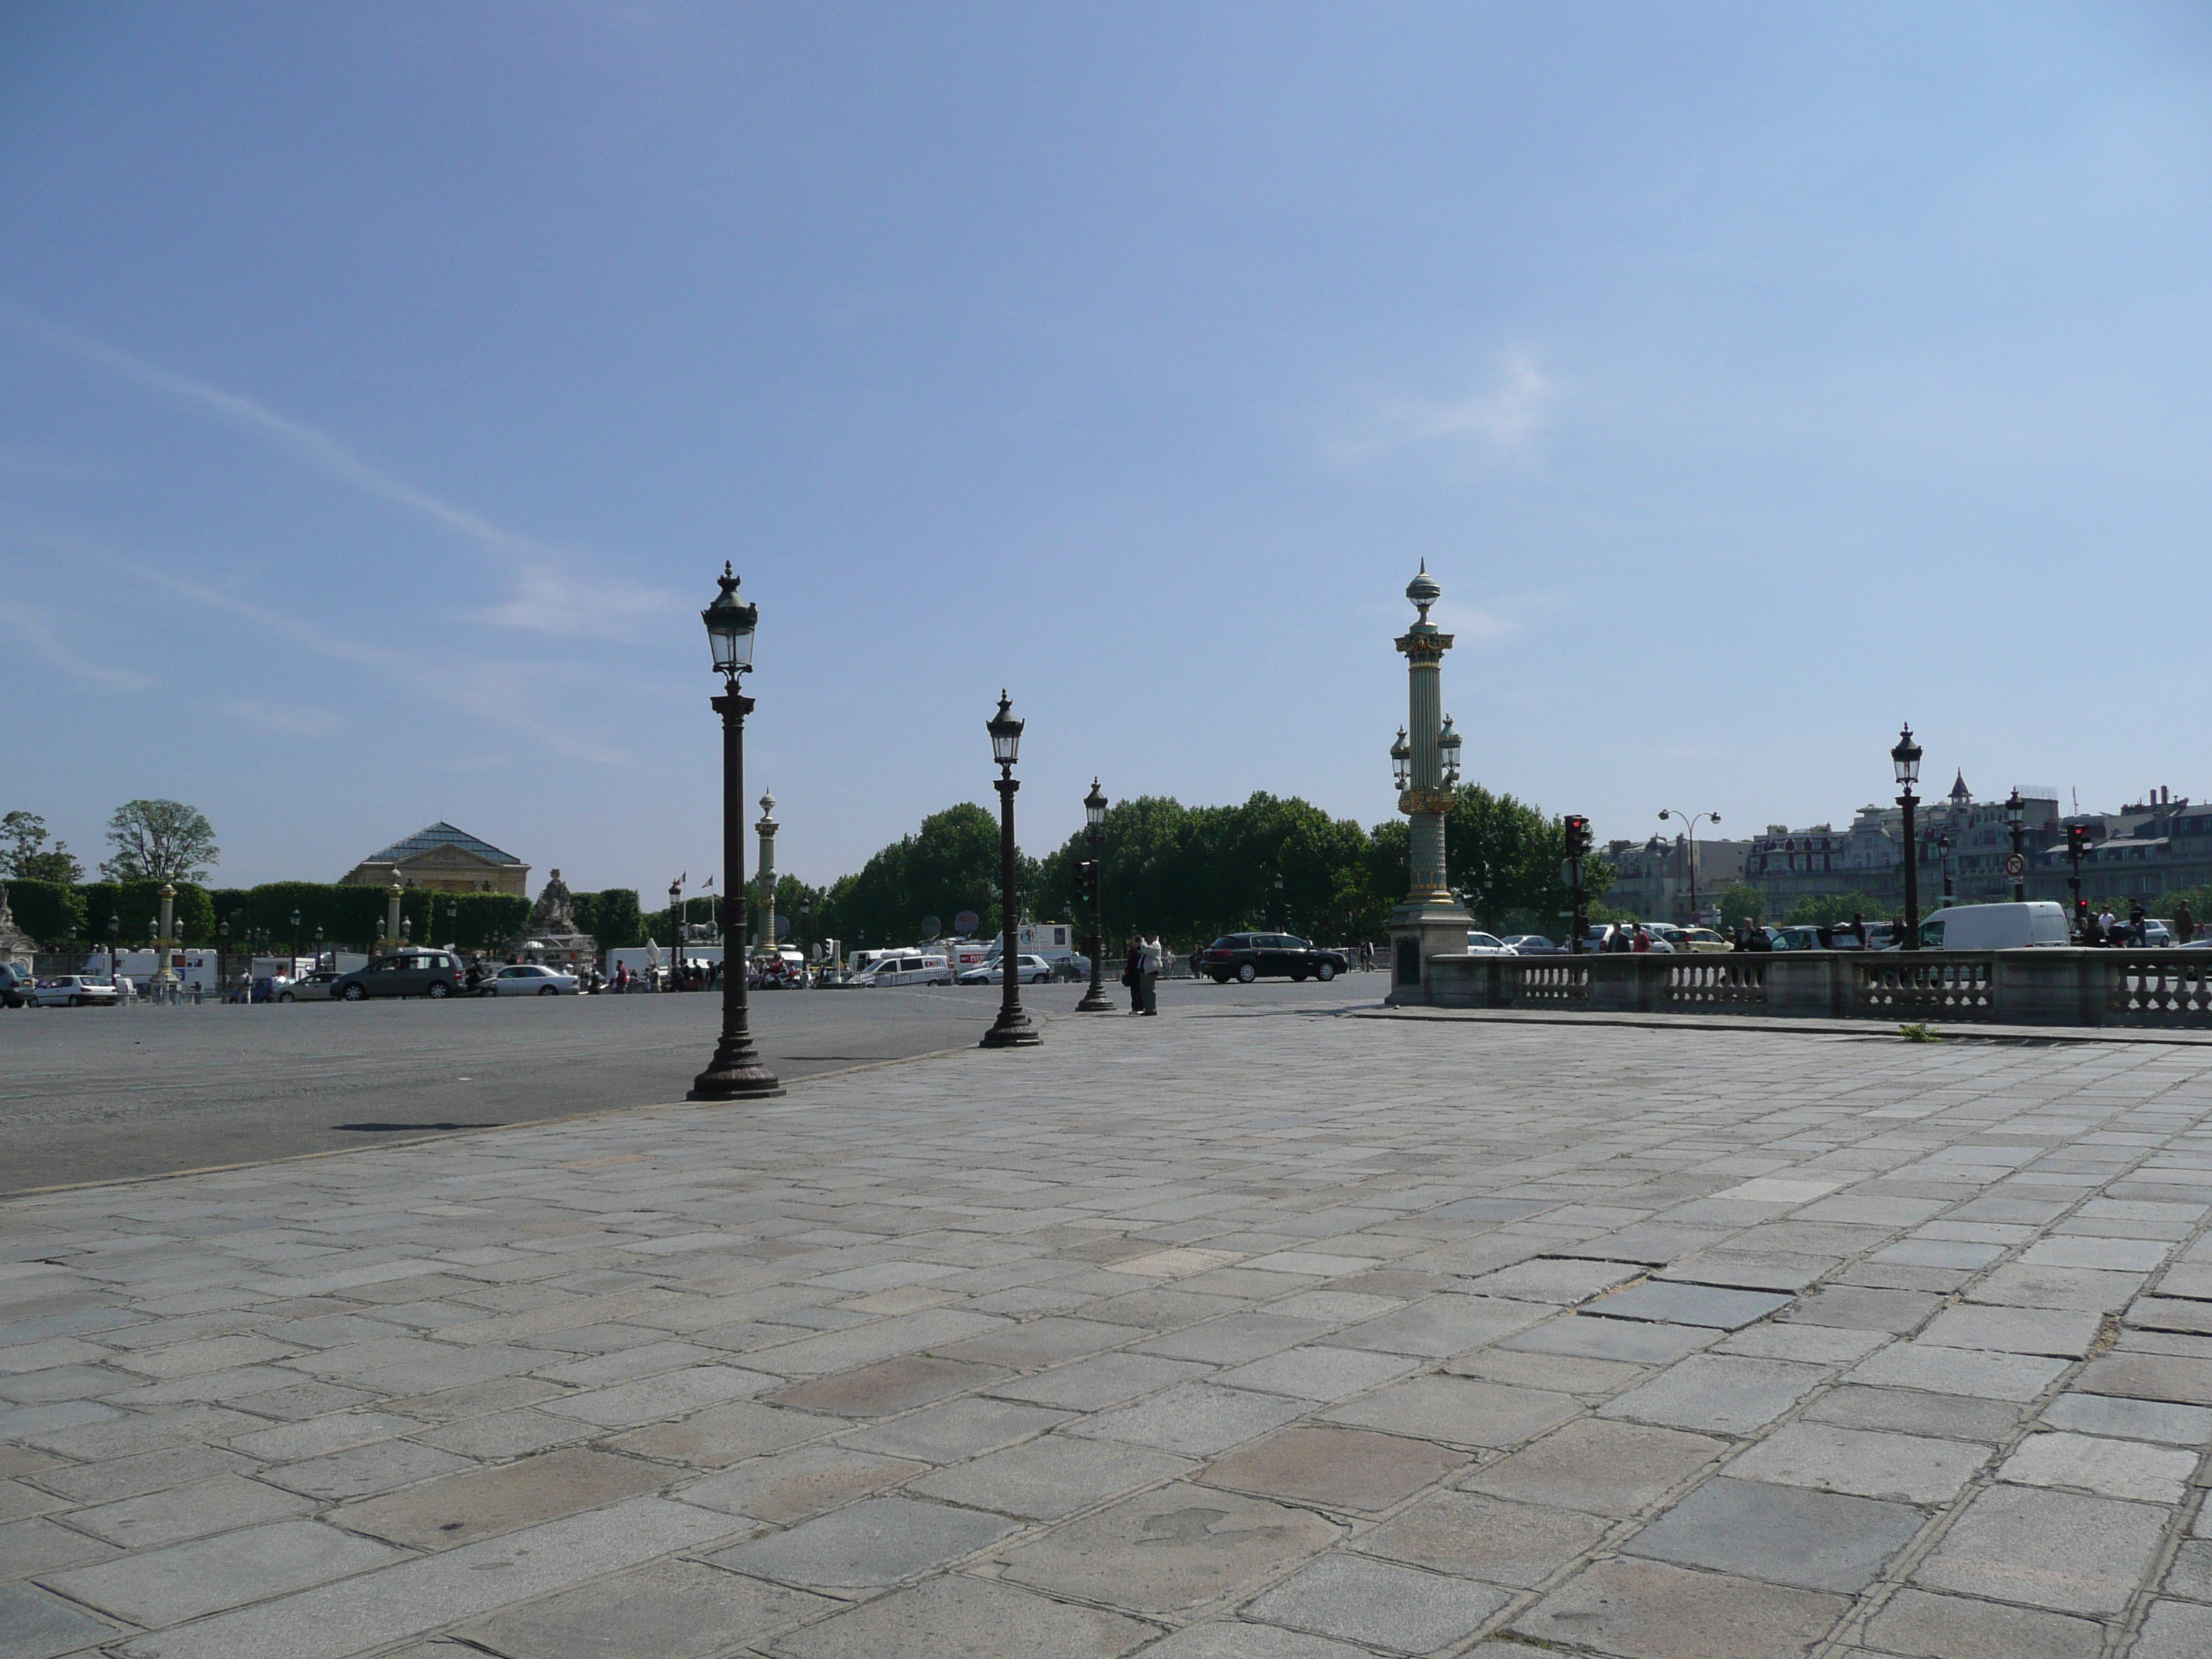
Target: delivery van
(1995, 926)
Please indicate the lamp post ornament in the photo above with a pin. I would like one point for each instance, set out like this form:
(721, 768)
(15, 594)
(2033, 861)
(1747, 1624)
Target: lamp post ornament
(735, 1071)
(1906, 758)
(767, 828)
(1425, 757)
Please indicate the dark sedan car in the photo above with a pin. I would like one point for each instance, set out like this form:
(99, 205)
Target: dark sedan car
(407, 973)
(1248, 957)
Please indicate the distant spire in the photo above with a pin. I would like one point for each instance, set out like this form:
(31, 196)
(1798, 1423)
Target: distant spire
(1959, 790)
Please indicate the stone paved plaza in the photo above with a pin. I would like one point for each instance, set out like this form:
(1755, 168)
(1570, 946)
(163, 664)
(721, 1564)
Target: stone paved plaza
(1237, 1335)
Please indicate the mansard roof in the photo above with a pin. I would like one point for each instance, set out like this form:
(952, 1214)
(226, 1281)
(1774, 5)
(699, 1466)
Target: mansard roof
(437, 835)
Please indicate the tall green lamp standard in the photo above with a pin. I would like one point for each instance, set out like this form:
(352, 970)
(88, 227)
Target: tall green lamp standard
(1094, 818)
(735, 1071)
(1012, 1030)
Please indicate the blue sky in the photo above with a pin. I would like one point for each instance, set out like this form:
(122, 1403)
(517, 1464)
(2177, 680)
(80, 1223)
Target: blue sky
(384, 387)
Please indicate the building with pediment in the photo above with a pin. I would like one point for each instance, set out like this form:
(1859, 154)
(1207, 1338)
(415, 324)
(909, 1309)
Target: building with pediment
(443, 860)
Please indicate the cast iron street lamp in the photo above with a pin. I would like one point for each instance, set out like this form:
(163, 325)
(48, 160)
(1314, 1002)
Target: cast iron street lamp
(1906, 758)
(296, 941)
(1011, 1029)
(735, 1071)
(319, 945)
(2016, 827)
(1689, 858)
(1943, 848)
(1094, 817)
(1282, 911)
(676, 918)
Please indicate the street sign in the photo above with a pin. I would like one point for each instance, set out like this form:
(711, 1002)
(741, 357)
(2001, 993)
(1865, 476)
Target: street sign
(2014, 865)
(1571, 874)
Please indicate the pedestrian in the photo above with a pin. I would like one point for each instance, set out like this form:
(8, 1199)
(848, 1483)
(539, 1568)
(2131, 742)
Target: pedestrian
(2093, 930)
(1149, 963)
(1132, 973)
(1367, 951)
(2185, 923)
(2138, 924)
(1639, 941)
(1858, 929)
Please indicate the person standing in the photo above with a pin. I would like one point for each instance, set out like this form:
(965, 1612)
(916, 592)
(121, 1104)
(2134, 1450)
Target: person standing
(1132, 974)
(1858, 929)
(2185, 923)
(1148, 973)
(1367, 953)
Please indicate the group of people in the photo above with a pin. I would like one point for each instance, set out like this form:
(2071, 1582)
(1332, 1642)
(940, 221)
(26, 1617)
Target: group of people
(1140, 972)
(2106, 928)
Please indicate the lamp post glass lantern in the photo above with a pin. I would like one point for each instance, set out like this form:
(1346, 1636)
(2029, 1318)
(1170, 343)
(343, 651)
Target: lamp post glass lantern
(1905, 758)
(735, 1072)
(1094, 818)
(1013, 1028)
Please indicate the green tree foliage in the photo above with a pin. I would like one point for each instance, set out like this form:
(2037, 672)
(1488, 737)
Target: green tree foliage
(950, 865)
(1504, 857)
(160, 841)
(24, 855)
(613, 917)
(1742, 904)
(50, 912)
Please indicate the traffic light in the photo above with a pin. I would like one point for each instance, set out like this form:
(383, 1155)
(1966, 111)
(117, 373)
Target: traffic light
(1578, 836)
(2077, 839)
(1086, 882)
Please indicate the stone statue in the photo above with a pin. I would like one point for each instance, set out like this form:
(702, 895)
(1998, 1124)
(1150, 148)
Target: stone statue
(551, 916)
(14, 941)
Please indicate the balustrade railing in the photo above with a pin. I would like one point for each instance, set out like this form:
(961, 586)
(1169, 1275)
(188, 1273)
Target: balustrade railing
(2067, 986)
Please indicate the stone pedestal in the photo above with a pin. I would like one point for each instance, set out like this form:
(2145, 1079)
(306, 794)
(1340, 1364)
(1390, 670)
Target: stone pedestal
(1421, 929)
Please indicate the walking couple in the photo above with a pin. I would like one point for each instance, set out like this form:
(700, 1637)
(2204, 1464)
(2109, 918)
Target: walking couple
(1140, 972)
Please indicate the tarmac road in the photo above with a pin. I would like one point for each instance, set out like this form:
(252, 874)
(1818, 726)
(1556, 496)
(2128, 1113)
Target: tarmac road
(104, 1094)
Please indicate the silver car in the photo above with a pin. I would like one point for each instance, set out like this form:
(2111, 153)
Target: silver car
(314, 987)
(528, 979)
(74, 991)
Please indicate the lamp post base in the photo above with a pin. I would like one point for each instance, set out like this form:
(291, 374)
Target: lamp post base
(1012, 1030)
(735, 1073)
(1094, 1001)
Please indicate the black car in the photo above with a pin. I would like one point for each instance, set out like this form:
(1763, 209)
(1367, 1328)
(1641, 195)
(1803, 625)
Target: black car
(14, 986)
(416, 973)
(1248, 957)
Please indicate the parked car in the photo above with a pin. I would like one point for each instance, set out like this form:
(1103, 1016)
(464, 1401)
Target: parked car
(312, 988)
(16, 984)
(73, 991)
(528, 979)
(433, 974)
(907, 968)
(1995, 926)
(1479, 943)
(1704, 938)
(1532, 945)
(1031, 970)
(1248, 957)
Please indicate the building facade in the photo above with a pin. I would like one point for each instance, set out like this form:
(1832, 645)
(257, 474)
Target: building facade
(444, 859)
(2158, 845)
(1655, 879)
(1969, 838)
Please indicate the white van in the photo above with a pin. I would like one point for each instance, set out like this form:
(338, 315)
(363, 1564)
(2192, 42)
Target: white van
(1995, 926)
(905, 968)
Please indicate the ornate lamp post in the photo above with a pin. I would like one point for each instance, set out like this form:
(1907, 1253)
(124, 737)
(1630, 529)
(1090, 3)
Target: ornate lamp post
(1943, 848)
(735, 1072)
(767, 828)
(319, 945)
(2016, 827)
(392, 896)
(1690, 858)
(1094, 818)
(1429, 921)
(676, 918)
(296, 941)
(1906, 758)
(1011, 1029)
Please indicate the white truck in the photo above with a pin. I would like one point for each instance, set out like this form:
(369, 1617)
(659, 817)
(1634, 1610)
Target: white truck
(2039, 922)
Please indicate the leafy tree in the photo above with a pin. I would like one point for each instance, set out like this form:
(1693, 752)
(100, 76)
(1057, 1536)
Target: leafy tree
(23, 855)
(1742, 904)
(160, 841)
(1504, 857)
(950, 865)
(613, 917)
(136, 907)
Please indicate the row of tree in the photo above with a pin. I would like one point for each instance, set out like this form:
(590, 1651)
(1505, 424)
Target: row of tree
(60, 915)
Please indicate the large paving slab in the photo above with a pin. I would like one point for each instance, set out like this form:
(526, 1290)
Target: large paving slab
(1243, 1334)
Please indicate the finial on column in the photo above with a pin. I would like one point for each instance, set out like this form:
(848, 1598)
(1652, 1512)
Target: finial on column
(1424, 591)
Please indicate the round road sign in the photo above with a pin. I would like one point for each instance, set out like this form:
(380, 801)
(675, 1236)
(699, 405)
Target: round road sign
(2014, 865)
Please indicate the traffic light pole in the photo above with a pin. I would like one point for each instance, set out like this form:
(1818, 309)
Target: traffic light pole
(1577, 849)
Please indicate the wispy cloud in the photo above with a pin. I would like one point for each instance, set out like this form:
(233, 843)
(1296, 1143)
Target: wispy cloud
(302, 722)
(556, 591)
(1501, 421)
(37, 633)
(492, 694)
